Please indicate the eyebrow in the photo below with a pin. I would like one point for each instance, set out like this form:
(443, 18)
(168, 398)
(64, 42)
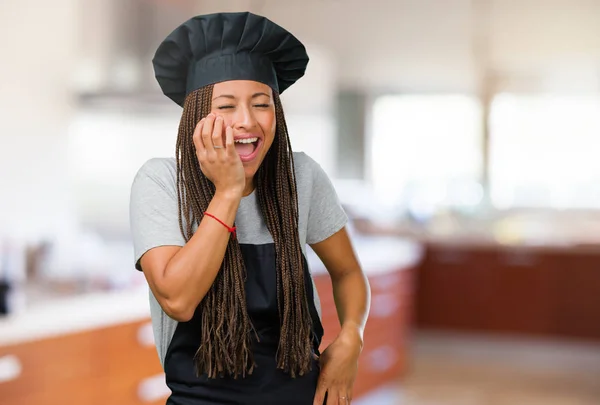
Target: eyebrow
(233, 97)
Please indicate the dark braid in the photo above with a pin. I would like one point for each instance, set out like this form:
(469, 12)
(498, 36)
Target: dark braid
(225, 341)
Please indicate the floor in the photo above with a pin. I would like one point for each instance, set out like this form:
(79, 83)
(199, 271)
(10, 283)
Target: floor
(459, 369)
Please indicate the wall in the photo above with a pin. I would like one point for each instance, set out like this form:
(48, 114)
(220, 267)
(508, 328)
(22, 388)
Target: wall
(429, 45)
(37, 41)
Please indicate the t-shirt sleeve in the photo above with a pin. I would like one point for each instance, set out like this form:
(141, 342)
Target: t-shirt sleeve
(153, 209)
(326, 215)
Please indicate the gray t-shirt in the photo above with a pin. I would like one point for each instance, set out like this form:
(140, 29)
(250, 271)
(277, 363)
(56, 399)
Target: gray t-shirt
(155, 221)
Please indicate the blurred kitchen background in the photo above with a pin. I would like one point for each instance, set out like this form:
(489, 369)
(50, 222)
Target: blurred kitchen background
(462, 136)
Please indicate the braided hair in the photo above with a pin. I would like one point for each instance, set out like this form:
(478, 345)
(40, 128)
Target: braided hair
(226, 328)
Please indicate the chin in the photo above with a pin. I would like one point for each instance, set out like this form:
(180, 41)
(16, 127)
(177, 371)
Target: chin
(252, 166)
(250, 170)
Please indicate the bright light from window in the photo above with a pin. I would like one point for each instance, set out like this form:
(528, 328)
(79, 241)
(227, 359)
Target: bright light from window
(544, 151)
(426, 151)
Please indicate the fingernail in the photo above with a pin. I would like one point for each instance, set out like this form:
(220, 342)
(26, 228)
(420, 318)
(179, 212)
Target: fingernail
(211, 115)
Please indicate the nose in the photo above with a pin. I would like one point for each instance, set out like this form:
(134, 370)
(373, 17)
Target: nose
(244, 118)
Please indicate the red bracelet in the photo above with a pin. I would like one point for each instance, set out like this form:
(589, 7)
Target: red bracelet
(231, 230)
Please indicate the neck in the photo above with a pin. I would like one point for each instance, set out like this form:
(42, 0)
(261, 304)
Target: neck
(249, 187)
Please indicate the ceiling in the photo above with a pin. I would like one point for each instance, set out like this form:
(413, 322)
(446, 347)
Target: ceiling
(385, 45)
(444, 44)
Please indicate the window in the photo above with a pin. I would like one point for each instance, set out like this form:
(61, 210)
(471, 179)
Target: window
(542, 151)
(426, 152)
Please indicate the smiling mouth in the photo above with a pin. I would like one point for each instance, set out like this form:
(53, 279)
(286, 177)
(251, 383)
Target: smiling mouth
(248, 148)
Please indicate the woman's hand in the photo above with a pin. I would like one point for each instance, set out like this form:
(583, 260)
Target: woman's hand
(339, 365)
(217, 156)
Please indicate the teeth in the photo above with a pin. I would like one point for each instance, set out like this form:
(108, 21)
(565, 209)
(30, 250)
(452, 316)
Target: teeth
(249, 140)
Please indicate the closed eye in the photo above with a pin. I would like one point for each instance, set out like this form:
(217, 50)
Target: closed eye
(226, 107)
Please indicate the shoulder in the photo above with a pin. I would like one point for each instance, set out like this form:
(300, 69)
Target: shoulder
(311, 179)
(163, 170)
(157, 172)
(309, 173)
(305, 166)
(158, 167)
(304, 169)
(302, 160)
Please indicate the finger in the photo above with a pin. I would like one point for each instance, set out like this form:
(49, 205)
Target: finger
(207, 129)
(333, 396)
(217, 133)
(343, 398)
(229, 143)
(350, 393)
(320, 394)
(197, 137)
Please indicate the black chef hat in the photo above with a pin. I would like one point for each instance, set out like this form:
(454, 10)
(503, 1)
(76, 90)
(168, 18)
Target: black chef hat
(212, 48)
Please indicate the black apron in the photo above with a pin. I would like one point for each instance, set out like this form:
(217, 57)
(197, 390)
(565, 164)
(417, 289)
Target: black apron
(267, 385)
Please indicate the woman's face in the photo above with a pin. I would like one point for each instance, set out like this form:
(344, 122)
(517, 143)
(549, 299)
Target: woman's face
(248, 107)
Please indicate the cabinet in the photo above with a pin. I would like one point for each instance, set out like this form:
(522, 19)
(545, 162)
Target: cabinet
(118, 365)
(384, 356)
(104, 367)
(538, 291)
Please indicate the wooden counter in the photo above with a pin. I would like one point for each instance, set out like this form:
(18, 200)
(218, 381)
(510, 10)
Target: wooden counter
(99, 367)
(99, 350)
(545, 290)
(384, 356)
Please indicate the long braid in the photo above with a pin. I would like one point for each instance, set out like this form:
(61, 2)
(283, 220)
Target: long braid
(225, 341)
(278, 199)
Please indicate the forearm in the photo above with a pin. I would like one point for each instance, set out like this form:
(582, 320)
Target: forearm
(192, 270)
(352, 297)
